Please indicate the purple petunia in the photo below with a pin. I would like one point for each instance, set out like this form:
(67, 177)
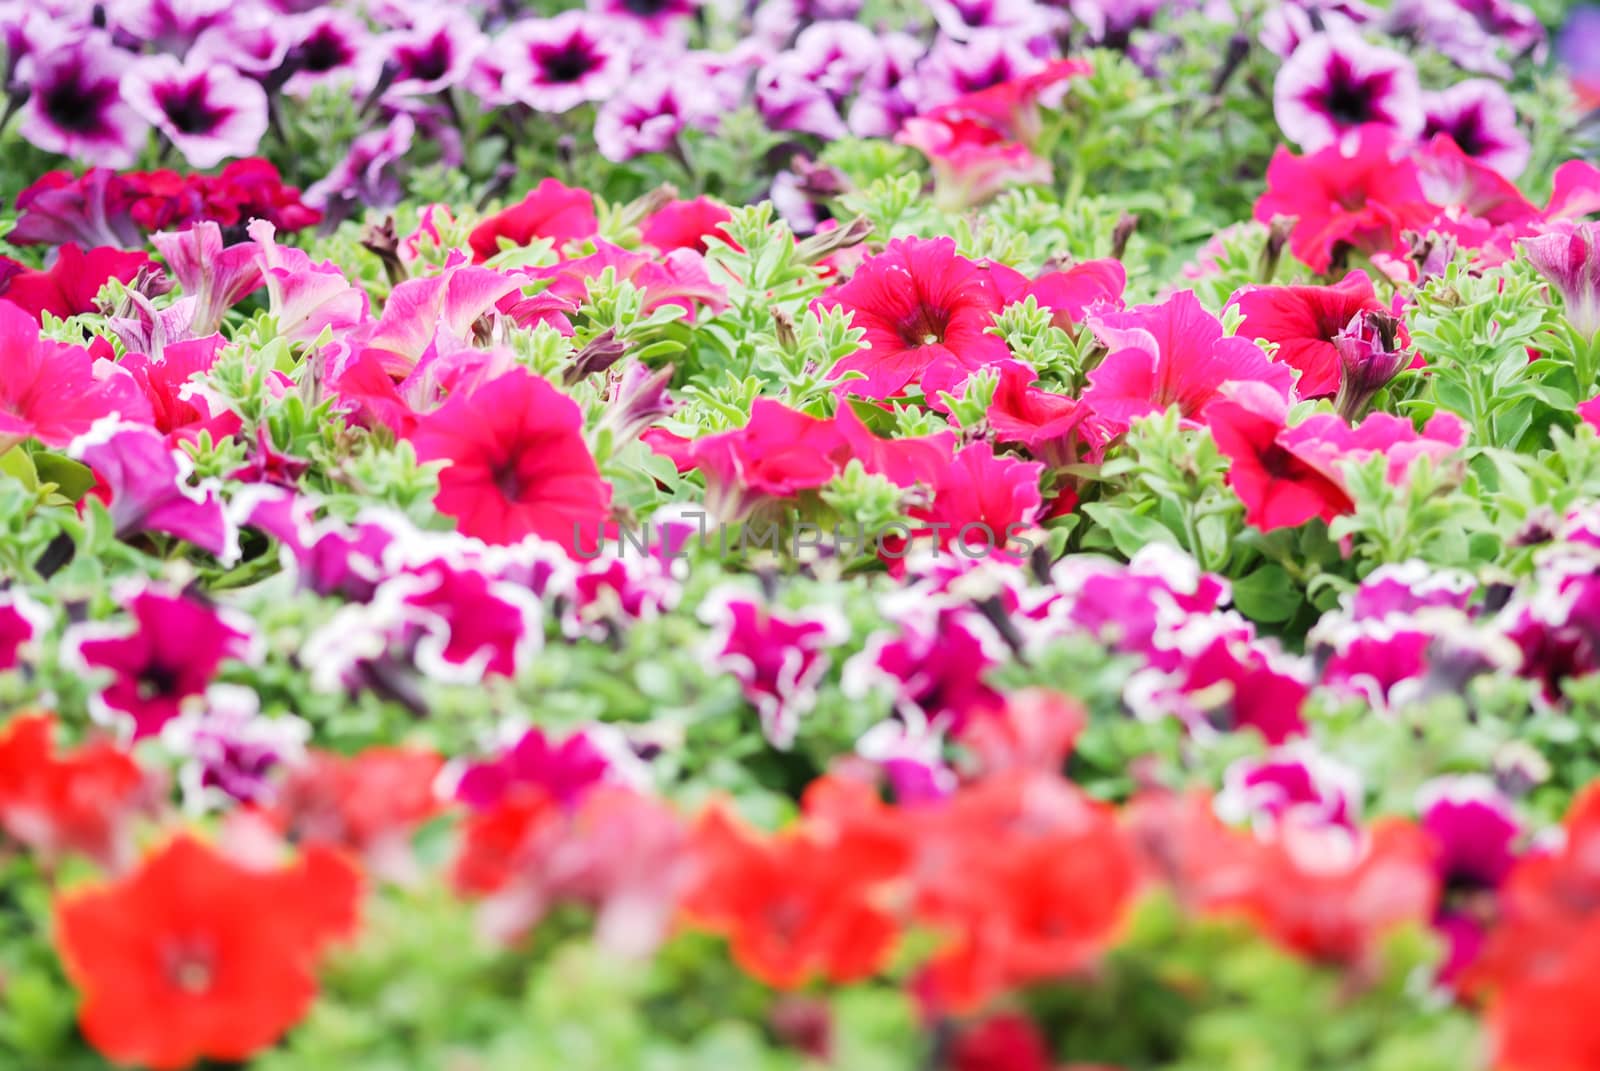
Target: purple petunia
(231, 749)
(208, 111)
(1336, 84)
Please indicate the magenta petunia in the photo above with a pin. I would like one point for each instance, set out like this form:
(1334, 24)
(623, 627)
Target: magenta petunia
(518, 464)
(209, 112)
(52, 391)
(920, 304)
(1304, 321)
(434, 53)
(777, 656)
(22, 622)
(166, 655)
(145, 485)
(1171, 354)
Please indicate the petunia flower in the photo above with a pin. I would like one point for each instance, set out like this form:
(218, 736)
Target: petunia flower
(217, 276)
(794, 905)
(686, 225)
(1477, 114)
(51, 391)
(1170, 354)
(553, 65)
(231, 751)
(550, 210)
(1357, 197)
(952, 68)
(972, 162)
(194, 957)
(21, 622)
(209, 112)
(1334, 85)
(1475, 829)
(648, 113)
(170, 654)
(306, 298)
(145, 485)
(434, 53)
(58, 801)
(75, 105)
(1304, 321)
(519, 465)
(1569, 259)
(565, 770)
(69, 286)
(1372, 350)
(331, 47)
(655, 16)
(778, 657)
(920, 303)
(1279, 488)
(180, 408)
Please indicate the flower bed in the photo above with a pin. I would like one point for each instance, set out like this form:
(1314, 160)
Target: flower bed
(982, 535)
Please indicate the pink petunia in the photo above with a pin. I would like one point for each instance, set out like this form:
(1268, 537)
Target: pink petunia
(920, 304)
(1171, 354)
(518, 464)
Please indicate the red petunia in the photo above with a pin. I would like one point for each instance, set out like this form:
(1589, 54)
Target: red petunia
(795, 904)
(1056, 429)
(1171, 354)
(1279, 488)
(1304, 320)
(78, 801)
(920, 305)
(778, 454)
(1027, 878)
(551, 210)
(195, 957)
(519, 465)
(68, 287)
(1359, 200)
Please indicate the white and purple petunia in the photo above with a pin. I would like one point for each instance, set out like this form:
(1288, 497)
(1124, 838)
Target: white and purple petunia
(75, 105)
(210, 112)
(231, 750)
(1479, 117)
(553, 65)
(777, 656)
(1334, 84)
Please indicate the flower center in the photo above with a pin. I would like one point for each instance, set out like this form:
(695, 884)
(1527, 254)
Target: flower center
(75, 107)
(1348, 98)
(190, 966)
(507, 480)
(156, 680)
(431, 62)
(924, 326)
(568, 63)
(189, 110)
(323, 52)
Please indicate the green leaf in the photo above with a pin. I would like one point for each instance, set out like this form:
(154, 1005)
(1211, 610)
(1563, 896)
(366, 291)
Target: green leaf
(72, 478)
(1267, 594)
(18, 464)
